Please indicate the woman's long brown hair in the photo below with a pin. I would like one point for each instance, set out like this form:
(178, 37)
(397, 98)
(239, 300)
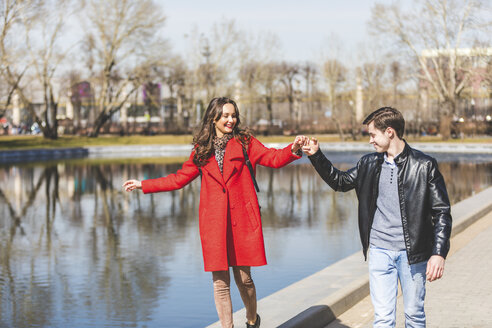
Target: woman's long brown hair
(203, 139)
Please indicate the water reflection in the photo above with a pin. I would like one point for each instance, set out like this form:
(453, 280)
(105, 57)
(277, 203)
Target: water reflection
(77, 251)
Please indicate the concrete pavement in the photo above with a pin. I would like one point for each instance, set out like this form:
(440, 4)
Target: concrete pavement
(337, 296)
(462, 298)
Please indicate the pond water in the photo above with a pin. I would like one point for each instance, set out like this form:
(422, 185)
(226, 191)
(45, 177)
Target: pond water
(77, 251)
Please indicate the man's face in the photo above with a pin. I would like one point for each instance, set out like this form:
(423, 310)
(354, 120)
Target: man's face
(379, 139)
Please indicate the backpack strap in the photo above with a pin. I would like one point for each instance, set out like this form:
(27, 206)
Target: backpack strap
(250, 168)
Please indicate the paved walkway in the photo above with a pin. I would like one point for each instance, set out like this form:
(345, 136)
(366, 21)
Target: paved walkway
(462, 298)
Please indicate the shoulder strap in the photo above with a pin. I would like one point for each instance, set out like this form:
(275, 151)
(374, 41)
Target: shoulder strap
(250, 168)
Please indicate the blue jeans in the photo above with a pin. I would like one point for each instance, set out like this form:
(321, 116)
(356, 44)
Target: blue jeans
(385, 269)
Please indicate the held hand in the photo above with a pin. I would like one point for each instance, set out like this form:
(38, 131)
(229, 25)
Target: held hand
(299, 141)
(311, 147)
(132, 185)
(435, 267)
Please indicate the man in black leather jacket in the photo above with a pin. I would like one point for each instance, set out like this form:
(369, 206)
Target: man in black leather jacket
(404, 215)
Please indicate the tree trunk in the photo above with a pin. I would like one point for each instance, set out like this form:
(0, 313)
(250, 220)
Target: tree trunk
(339, 128)
(54, 112)
(290, 98)
(98, 124)
(445, 126)
(352, 125)
(270, 111)
(445, 119)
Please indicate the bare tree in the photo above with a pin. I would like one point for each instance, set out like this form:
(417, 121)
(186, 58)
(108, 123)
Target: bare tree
(372, 75)
(335, 76)
(173, 74)
(287, 75)
(249, 74)
(43, 43)
(309, 72)
(268, 80)
(254, 50)
(434, 33)
(121, 43)
(13, 60)
(38, 56)
(396, 79)
(214, 59)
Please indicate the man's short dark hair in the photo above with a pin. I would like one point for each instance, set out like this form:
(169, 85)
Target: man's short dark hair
(387, 117)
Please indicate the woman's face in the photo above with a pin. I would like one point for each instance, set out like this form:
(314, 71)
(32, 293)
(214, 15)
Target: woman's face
(225, 123)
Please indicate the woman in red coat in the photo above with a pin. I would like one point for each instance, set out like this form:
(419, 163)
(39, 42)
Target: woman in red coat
(229, 214)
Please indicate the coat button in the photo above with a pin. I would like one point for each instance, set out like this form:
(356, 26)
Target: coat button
(234, 223)
(223, 190)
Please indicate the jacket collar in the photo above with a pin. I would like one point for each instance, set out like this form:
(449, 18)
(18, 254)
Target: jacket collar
(402, 157)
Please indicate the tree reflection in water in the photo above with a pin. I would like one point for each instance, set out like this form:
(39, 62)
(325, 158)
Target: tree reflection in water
(75, 250)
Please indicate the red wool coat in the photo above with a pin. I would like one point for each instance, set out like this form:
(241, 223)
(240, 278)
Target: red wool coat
(229, 215)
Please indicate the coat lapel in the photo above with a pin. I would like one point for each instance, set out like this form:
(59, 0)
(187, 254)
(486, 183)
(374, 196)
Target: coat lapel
(212, 168)
(233, 159)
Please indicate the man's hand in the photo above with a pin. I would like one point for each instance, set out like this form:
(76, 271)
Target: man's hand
(435, 267)
(311, 147)
(299, 141)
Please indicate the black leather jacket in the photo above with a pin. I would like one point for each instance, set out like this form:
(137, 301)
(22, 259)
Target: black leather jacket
(424, 202)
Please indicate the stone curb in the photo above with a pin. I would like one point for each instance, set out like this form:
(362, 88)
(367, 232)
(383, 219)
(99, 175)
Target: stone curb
(13, 156)
(319, 299)
(481, 148)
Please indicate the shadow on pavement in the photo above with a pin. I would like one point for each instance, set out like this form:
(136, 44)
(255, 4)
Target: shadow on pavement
(318, 316)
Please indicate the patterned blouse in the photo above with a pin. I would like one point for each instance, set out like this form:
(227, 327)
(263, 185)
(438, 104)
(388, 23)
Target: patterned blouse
(220, 146)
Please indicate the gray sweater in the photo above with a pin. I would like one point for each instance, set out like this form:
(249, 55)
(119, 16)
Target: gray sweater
(387, 229)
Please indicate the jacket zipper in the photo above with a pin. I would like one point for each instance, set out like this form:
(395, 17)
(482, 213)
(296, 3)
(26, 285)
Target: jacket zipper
(373, 205)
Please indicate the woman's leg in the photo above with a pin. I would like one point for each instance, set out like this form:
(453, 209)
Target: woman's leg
(246, 286)
(222, 295)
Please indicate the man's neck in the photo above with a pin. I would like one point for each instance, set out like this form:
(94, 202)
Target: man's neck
(395, 148)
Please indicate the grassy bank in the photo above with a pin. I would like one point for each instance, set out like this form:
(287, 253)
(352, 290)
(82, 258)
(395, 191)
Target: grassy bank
(32, 142)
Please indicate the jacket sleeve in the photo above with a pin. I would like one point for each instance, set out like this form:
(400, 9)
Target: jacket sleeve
(188, 172)
(440, 210)
(338, 180)
(271, 157)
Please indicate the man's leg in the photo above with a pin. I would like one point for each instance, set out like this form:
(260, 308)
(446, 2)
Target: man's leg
(412, 280)
(383, 281)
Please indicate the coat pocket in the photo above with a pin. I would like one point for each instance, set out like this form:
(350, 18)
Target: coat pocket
(252, 217)
(202, 219)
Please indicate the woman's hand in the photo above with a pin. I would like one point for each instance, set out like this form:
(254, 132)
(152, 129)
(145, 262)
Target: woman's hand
(311, 147)
(132, 185)
(299, 141)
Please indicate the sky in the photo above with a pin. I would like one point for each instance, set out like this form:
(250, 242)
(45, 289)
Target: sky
(303, 26)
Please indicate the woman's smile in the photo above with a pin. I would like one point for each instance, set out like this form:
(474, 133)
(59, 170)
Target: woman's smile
(227, 122)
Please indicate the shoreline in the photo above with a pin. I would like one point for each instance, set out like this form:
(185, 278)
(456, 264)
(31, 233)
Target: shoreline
(176, 150)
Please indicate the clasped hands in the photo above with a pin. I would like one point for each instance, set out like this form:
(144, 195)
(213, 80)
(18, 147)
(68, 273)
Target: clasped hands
(308, 145)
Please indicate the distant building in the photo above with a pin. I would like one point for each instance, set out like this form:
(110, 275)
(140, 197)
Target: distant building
(475, 99)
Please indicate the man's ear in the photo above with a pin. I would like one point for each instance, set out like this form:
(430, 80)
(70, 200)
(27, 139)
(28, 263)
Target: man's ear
(391, 132)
